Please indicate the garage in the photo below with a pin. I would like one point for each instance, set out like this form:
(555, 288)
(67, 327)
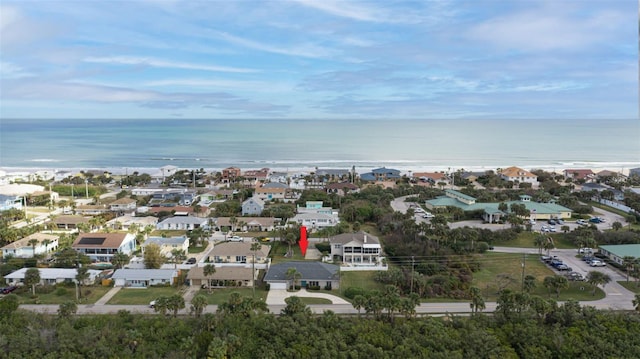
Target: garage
(278, 285)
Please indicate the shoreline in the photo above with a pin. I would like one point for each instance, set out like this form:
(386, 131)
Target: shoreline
(619, 167)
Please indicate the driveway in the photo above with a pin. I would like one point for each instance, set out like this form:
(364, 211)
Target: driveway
(277, 296)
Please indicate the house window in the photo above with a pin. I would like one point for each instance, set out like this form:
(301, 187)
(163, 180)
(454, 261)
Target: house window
(241, 259)
(313, 284)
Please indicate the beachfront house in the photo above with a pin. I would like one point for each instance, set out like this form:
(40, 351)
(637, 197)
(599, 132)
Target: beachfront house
(518, 175)
(28, 247)
(123, 205)
(100, 247)
(380, 174)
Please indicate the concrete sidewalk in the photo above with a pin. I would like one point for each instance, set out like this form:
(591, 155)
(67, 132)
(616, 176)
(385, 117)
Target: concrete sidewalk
(107, 296)
(277, 296)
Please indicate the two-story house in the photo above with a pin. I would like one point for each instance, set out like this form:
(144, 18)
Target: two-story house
(238, 252)
(356, 249)
(182, 223)
(380, 174)
(519, 175)
(252, 207)
(123, 205)
(34, 244)
(100, 247)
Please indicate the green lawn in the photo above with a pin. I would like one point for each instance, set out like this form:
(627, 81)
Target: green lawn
(90, 294)
(279, 249)
(527, 240)
(141, 296)
(310, 301)
(361, 279)
(504, 270)
(194, 249)
(631, 285)
(219, 296)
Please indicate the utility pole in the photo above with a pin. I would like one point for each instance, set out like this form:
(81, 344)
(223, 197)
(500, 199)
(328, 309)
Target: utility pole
(413, 263)
(524, 260)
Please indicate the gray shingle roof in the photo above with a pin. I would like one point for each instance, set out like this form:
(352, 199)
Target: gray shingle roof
(308, 270)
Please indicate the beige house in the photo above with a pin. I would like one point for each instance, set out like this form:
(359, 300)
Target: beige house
(168, 245)
(223, 277)
(519, 175)
(238, 252)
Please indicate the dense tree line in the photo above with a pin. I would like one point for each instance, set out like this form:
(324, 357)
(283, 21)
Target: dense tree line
(518, 330)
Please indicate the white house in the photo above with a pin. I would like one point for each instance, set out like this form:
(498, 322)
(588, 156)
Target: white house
(167, 245)
(100, 247)
(50, 275)
(518, 175)
(315, 220)
(144, 277)
(123, 205)
(126, 221)
(182, 223)
(356, 249)
(23, 249)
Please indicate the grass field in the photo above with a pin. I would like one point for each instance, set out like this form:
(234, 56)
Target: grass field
(279, 249)
(221, 295)
(527, 240)
(631, 285)
(310, 301)
(141, 296)
(68, 293)
(504, 270)
(361, 279)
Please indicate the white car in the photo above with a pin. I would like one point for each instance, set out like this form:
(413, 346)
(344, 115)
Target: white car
(236, 239)
(597, 263)
(428, 215)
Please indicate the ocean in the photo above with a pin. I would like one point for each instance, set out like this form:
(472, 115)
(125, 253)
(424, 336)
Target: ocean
(409, 145)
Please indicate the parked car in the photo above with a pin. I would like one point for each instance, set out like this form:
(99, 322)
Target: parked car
(551, 222)
(552, 228)
(595, 220)
(581, 222)
(236, 239)
(152, 304)
(428, 215)
(9, 289)
(546, 258)
(585, 250)
(575, 276)
(555, 262)
(191, 260)
(588, 258)
(563, 267)
(559, 221)
(597, 263)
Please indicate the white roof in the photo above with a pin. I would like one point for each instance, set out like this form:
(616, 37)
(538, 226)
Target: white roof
(51, 273)
(143, 274)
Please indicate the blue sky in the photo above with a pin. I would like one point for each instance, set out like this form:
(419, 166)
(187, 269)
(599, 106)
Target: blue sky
(520, 59)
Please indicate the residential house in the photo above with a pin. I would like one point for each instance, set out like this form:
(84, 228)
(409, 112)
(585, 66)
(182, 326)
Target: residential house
(582, 175)
(123, 205)
(270, 194)
(356, 249)
(237, 276)
(92, 209)
(315, 220)
(252, 206)
(168, 171)
(342, 188)
(182, 223)
(238, 252)
(380, 174)
(518, 175)
(168, 245)
(69, 222)
(333, 174)
(124, 222)
(22, 248)
(253, 224)
(143, 278)
(100, 247)
(10, 202)
(230, 174)
(50, 276)
(255, 176)
(634, 172)
(434, 178)
(315, 274)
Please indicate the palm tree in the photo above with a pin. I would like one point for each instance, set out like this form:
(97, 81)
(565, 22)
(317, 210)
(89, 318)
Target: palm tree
(31, 278)
(178, 255)
(33, 243)
(477, 301)
(198, 304)
(293, 275)
(539, 242)
(291, 240)
(359, 302)
(81, 276)
(596, 278)
(254, 247)
(628, 263)
(208, 271)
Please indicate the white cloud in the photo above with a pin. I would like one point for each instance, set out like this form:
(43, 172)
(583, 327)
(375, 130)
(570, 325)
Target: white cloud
(307, 50)
(148, 61)
(11, 71)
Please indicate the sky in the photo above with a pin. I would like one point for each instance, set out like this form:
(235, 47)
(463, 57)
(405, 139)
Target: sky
(304, 59)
